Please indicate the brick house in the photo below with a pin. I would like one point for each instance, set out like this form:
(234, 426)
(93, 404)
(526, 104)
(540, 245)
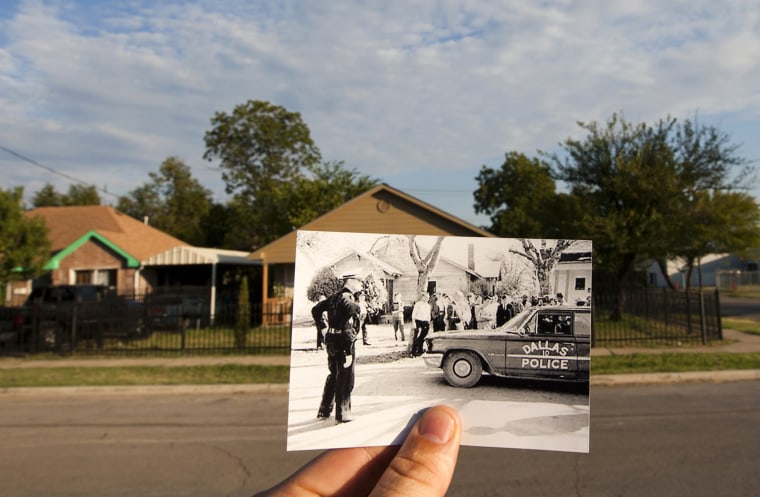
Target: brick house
(100, 245)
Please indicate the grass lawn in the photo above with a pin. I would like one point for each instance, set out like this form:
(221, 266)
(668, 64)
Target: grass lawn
(142, 375)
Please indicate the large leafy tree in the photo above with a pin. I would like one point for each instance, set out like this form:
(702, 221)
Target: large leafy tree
(516, 195)
(714, 222)
(24, 244)
(262, 148)
(638, 183)
(324, 188)
(172, 201)
(272, 167)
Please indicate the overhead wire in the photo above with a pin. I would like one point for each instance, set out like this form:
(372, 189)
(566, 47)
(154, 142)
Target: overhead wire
(55, 171)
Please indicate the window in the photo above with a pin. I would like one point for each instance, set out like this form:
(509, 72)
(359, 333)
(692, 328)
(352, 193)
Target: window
(83, 277)
(580, 283)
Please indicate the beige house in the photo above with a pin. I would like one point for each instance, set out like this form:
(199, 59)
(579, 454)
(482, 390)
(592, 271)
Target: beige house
(382, 209)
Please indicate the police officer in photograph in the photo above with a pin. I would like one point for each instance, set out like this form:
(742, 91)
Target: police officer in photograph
(341, 330)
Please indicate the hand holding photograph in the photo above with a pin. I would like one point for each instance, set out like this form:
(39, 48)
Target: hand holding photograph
(386, 325)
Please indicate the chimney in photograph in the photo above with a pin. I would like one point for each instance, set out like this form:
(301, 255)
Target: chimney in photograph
(471, 257)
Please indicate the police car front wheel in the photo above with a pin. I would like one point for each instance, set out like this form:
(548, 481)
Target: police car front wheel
(462, 369)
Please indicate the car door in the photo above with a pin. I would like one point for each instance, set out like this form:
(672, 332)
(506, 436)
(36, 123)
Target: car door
(547, 347)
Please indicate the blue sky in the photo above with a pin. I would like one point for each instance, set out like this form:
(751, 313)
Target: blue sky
(417, 94)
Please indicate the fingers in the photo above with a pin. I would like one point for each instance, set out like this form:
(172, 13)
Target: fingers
(425, 462)
(336, 473)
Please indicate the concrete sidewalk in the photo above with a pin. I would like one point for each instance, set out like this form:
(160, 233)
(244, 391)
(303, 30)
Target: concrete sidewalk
(734, 342)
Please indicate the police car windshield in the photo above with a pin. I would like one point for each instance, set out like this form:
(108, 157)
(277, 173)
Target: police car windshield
(517, 322)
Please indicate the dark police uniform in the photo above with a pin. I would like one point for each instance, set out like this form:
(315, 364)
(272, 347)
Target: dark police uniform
(342, 328)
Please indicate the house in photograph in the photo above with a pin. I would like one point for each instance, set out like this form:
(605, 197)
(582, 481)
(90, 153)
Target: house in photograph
(572, 275)
(382, 209)
(389, 263)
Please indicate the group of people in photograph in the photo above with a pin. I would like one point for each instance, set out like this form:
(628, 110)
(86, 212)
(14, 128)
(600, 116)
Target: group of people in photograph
(343, 316)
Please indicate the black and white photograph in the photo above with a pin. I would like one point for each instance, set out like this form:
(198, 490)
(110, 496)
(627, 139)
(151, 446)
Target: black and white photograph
(387, 325)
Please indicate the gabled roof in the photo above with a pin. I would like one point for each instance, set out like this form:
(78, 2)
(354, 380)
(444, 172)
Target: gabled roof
(69, 226)
(382, 209)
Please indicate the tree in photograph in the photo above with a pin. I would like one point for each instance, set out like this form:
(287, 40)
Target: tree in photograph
(261, 148)
(172, 201)
(323, 284)
(543, 260)
(242, 315)
(24, 244)
(424, 264)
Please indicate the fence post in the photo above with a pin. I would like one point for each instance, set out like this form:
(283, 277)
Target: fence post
(702, 317)
(720, 317)
(182, 331)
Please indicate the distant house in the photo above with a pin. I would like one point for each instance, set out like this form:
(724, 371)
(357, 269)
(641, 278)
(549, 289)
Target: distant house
(707, 269)
(382, 209)
(98, 244)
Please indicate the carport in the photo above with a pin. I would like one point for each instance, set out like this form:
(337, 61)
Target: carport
(207, 262)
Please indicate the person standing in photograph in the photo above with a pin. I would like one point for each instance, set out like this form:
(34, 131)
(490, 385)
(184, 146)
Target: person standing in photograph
(503, 312)
(342, 327)
(421, 318)
(363, 316)
(454, 312)
(397, 316)
(438, 309)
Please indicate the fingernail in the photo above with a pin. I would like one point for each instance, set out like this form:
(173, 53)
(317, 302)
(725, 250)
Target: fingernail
(437, 426)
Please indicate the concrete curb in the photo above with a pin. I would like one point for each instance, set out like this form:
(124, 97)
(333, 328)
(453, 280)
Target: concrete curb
(610, 380)
(236, 389)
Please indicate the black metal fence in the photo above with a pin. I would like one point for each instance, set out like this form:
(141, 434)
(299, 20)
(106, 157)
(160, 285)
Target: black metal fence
(167, 325)
(154, 327)
(652, 316)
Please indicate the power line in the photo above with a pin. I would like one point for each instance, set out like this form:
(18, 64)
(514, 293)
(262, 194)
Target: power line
(55, 171)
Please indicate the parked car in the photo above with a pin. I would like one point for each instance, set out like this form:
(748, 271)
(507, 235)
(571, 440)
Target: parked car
(168, 310)
(67, 314)
(545, 343)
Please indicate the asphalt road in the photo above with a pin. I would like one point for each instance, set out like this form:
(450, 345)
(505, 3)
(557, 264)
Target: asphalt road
(665, 440)
(740, 308)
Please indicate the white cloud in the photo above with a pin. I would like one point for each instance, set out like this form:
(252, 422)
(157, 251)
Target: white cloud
(392, 88)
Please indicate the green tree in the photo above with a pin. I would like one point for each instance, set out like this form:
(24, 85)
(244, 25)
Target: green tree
(24, 244)
(173, 201)
(521, 199)
(48, 196)
(635, 182)
(715, 222)
(324, 188)
(81, 195)
(261, 148)
(243, 315)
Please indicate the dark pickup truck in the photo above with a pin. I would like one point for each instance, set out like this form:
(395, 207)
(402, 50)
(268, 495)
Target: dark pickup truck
(63, 315)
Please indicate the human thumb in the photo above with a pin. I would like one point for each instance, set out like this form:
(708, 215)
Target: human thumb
(425, 463)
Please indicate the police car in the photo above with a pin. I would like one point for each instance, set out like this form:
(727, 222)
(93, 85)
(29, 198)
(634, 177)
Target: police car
(547, 343)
